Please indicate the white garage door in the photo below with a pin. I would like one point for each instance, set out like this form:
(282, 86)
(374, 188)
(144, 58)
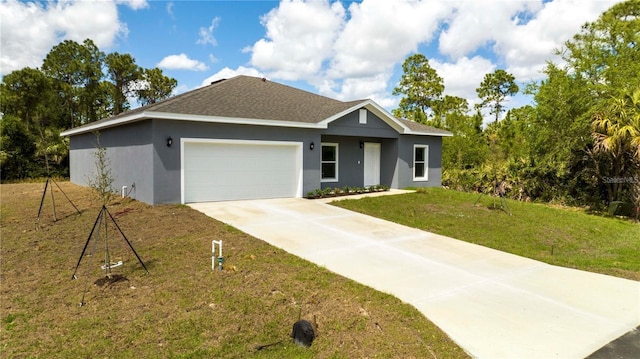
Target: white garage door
(221, 170)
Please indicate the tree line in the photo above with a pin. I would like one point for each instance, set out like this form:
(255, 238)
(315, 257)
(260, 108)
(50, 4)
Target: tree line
(76, 84)
(577, 144)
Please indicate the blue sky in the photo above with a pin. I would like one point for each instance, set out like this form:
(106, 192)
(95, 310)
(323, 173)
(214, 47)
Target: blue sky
(345, 50)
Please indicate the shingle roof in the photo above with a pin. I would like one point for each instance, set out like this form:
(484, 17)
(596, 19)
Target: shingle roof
(254, 98)
(251, 98)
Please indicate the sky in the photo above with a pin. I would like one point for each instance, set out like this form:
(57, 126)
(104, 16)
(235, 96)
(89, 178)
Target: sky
(346, 50)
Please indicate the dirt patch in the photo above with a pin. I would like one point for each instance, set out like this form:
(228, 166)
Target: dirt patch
(110, 280)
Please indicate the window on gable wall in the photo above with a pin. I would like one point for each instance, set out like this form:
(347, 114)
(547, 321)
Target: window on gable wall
(420, 163)
(329, 162)
(362, 117)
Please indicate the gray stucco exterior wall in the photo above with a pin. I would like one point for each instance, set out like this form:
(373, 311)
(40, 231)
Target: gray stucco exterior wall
(167, 159)
(138, 153)
(405, 161)
(349, 126)
(351, 160)
(129, 152)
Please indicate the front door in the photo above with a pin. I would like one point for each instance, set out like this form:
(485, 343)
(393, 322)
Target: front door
(371, 163)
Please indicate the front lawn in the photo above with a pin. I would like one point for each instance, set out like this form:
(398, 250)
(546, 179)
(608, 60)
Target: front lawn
(181, 309)
(566, 237)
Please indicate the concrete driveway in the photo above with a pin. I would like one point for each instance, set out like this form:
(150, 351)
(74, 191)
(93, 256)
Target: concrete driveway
(493, 304)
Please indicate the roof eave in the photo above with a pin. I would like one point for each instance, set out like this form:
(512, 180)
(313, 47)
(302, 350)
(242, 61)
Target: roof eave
(437, 134)
(231, 120)
(186, 117)
(106, 124)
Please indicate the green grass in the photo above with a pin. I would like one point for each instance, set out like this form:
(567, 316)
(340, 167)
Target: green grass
(181, 309)
(566, 237)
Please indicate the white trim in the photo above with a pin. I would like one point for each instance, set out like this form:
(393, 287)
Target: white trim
(299, 155)
(337, 162)
(426, 163)
(369, 105)
(435, 134)
(184, 117)
(231, 120)
(100, 125)
(368, 164)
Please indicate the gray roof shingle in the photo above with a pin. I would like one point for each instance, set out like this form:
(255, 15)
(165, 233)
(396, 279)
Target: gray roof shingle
(251, 98)
(246, 97)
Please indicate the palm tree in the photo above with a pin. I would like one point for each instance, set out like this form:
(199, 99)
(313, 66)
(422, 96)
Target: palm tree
(616, 133)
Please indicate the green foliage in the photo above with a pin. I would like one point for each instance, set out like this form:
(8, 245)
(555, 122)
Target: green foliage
(123, 73)
(422, 89)
(77, 70)
(605, 52)
(155, 86)
(77, 84)
(494, 90)
(345, 191)
(102, 181)
(616, 135)
(16, 150)
(579, 144)
(467, 148)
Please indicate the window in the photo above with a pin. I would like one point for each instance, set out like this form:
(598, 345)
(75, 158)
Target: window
(362, 118)
(329, 162)
(420, 163)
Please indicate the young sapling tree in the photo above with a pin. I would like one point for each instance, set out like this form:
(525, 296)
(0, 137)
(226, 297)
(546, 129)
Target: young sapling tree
(102, 182)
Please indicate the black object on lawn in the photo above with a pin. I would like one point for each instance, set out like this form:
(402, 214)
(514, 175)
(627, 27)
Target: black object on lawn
(53, 202)
(107, 266)
(303, 333)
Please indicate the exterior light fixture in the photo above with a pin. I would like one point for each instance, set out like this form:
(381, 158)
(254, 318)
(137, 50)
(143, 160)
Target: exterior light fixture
(361, 144)
(312, 146)
(169, 141)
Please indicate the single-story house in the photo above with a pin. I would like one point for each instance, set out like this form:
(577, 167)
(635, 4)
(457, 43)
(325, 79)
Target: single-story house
(251, 138)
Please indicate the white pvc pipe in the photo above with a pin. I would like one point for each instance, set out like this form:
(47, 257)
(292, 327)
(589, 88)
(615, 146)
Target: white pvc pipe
(213, 253)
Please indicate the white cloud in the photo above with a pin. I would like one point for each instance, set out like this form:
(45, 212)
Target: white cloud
(169, 9)
(526, 47)
(134, 4)
(474, 24)
(181, 62)
(179, 89)
(522, 34)
(462, 77)
(380, 34)
(355, 53)
(350, 89)
(206, 33)
(316, 41)
(227, 73)
(299, 38)
(31, 29)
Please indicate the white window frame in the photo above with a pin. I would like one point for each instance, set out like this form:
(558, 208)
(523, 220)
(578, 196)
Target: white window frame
(336, 162)
(425, 162)
(362, 116)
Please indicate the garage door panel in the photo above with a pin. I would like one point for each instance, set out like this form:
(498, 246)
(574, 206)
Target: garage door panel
(243, 170)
